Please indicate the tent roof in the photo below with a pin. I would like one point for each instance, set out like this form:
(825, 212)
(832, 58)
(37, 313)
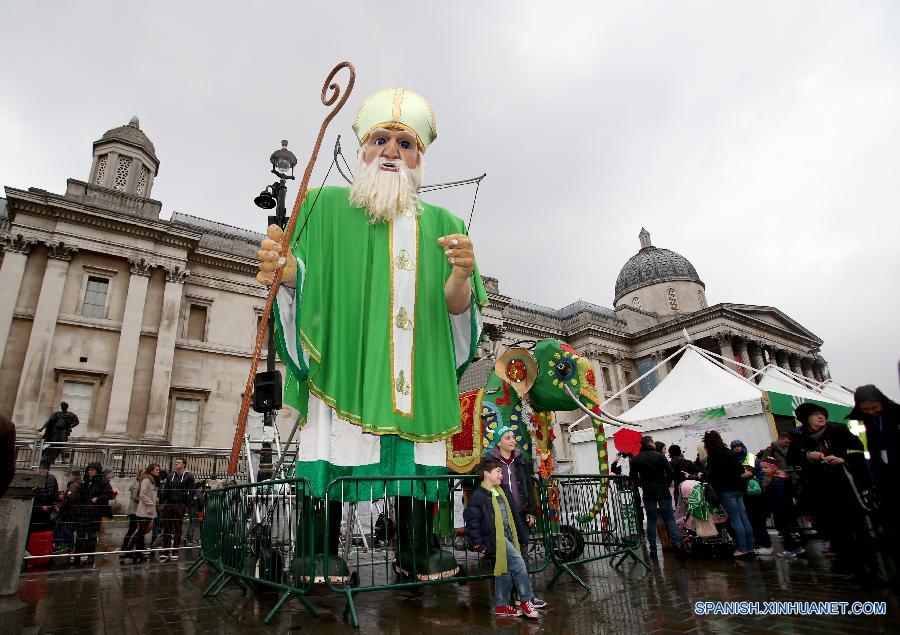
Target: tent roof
(696, 383)
(834, 391)
(775, 379)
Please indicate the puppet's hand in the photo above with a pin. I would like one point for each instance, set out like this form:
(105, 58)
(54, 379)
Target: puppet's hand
(270, 260)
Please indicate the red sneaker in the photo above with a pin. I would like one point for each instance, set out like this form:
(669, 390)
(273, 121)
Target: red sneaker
(507, 611)
(528, 610)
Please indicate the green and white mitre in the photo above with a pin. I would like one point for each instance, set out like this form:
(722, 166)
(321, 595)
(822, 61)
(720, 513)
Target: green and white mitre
(373, 356)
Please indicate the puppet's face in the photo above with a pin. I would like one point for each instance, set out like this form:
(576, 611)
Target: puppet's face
(391, 147)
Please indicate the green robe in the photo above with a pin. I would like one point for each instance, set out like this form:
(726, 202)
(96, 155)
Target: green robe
(340, 344)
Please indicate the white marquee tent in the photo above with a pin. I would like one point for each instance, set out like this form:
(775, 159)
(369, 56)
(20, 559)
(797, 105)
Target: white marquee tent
(697, 395)
(833, 391)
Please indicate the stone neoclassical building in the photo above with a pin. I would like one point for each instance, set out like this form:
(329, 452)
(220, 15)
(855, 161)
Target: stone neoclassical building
(145, 326)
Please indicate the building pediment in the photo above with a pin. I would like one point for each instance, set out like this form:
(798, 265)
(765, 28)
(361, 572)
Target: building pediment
(773, 317)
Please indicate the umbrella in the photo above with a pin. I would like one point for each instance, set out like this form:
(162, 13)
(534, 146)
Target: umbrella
(628, 440)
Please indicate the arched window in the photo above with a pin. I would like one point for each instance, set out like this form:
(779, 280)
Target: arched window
(673, 299)
(700, 299)
(636, 302)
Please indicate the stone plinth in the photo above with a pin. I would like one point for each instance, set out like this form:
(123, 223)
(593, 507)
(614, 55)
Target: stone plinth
(15, 514)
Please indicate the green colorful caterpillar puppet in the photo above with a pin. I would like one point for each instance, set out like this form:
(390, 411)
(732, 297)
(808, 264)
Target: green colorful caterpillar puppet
(522, 393)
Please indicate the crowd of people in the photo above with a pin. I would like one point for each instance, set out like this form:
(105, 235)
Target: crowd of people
(75, 519)
(815, 480)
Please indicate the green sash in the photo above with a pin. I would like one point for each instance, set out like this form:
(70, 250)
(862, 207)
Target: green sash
(500, 566)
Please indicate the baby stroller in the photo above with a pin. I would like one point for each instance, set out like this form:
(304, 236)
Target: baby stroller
(702, 525)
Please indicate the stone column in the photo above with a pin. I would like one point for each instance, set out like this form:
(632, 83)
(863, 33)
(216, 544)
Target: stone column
(126, 356)
(37, 356)
(663, 370)
(11, 273)
(165, 353)
(779, 358)
(112, 164)
(823, 369)
(620, 377)
(497, 341)
(725, 348)
(757, 357)
(794, 364)
(806, 365)
(745, 355)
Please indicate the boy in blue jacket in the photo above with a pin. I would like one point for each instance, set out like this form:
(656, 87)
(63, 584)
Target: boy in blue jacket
(494, 529)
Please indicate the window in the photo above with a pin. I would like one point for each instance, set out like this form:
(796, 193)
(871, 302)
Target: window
(673, 299)
(101, 169)
(185, 420)
(196, 322)
(142, 181)
(96, 293)
(78, 395)
(700, 301)
(121, 178)
(636, 302)
(607, 380)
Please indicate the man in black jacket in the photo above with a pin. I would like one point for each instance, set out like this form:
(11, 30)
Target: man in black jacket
(881, 417)
(178, 493)
(652, 472)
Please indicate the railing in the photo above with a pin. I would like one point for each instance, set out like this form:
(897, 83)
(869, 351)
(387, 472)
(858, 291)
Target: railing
(75, 533)
(385, 533)
(128, 459)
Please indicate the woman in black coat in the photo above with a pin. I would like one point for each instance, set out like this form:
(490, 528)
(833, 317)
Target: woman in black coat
(833, 470)
(91, 500)
(724, 473)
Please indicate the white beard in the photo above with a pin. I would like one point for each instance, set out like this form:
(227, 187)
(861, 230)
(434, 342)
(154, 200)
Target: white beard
(384, 194)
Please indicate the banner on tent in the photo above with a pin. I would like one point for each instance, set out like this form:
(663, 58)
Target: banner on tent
(782, 404)
(702, 420)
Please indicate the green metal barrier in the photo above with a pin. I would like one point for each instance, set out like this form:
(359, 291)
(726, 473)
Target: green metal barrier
(264, 539)
(580, 536)
(210, 534)
(397, 542)
(368, 534)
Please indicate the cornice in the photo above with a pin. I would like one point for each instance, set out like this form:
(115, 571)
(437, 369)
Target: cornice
(58, 207)
(498, 301)
(228, 261)
(218, 349)
(250, 289)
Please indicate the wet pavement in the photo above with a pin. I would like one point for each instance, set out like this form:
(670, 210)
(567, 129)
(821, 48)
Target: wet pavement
(158, 598)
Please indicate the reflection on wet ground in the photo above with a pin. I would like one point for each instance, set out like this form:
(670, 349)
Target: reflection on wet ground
(157, 598)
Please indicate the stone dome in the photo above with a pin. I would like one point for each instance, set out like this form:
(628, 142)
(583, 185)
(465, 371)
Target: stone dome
(652, 265)
(130, 133)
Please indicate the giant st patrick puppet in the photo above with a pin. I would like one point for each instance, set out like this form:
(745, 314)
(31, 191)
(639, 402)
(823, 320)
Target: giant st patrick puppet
(377, 316)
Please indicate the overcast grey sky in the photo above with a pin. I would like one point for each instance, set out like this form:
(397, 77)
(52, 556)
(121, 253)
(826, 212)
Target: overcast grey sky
(761, 140)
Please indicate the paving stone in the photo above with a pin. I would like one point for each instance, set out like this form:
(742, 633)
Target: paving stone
(113, 598)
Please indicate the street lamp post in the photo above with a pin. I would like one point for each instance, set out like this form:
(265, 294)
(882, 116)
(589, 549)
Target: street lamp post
(267, 388)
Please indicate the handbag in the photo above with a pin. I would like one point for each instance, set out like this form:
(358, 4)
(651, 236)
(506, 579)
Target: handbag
(753, 487)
